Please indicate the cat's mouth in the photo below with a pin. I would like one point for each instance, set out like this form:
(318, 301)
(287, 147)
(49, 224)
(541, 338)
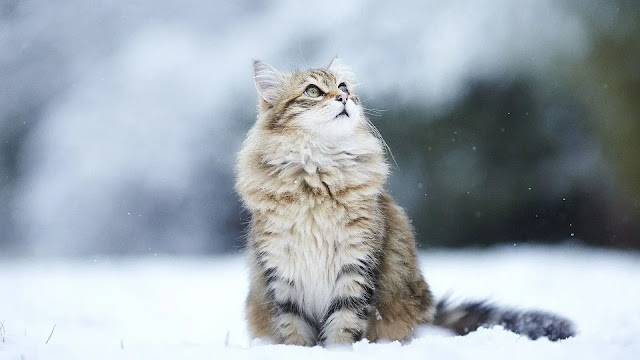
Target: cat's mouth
(343, 112)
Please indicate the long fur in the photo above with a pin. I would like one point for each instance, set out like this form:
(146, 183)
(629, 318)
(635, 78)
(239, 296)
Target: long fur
(332, 257)
(469, 316)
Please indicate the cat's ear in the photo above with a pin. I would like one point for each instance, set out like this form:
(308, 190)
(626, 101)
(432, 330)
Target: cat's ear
(343, 71)
(269, 81)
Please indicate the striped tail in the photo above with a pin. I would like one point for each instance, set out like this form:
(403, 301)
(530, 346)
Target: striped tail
(469, 316)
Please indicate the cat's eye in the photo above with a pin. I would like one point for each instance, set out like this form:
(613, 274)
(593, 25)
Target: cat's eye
(313, 91)
(343, 87)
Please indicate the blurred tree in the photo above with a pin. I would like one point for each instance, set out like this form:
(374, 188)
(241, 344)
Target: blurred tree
(542, 157)
(608, 82)
(512, 161)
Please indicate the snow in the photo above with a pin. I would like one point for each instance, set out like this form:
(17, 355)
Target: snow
(192, 308)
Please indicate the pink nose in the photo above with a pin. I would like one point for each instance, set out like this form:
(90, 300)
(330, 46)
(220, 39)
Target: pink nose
(342, 97)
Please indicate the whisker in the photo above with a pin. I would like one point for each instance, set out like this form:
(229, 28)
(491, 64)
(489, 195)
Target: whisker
(372, 112)
(372, 109)
(378, 135)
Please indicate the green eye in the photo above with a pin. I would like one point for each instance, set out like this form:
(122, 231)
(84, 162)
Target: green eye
(312, 91)
(343, 87)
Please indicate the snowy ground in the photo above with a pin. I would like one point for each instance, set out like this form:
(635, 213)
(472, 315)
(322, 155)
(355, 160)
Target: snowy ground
(192, 308)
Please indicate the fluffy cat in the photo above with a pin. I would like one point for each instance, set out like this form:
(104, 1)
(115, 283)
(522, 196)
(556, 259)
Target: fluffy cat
(332, 257)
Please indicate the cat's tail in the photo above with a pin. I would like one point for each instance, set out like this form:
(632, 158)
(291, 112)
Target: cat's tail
(469, 316)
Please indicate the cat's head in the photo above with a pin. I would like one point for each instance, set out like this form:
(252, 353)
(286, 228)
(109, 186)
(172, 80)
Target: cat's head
(318, 101)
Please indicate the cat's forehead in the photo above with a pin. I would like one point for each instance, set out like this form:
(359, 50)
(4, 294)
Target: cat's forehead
(319, 76)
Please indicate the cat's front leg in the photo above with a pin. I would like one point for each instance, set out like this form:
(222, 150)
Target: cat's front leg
(292, 325)
(293, 329)
(347, 316)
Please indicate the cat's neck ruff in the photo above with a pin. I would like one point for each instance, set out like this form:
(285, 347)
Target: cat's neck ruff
(312, 153)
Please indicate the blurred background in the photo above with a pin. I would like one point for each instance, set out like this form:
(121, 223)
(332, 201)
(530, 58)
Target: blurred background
(510, 121)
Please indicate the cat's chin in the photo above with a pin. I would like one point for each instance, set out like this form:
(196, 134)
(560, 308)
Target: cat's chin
(338, 128)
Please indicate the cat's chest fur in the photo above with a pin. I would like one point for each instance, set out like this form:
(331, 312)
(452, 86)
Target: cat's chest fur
(312, 255)
(317, 238)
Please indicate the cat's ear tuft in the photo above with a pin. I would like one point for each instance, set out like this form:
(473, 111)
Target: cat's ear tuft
(341, 70)
(335, 64)
(269, 81)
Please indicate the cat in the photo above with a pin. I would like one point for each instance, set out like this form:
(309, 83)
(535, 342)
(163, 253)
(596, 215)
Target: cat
(332, 257)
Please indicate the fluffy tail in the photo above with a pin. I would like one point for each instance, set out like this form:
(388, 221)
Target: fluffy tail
(469, 316)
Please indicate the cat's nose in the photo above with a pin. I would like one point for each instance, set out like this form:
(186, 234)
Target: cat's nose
(342, 97)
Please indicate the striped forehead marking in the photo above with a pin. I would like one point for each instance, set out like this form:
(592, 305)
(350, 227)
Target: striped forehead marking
(323, 77)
